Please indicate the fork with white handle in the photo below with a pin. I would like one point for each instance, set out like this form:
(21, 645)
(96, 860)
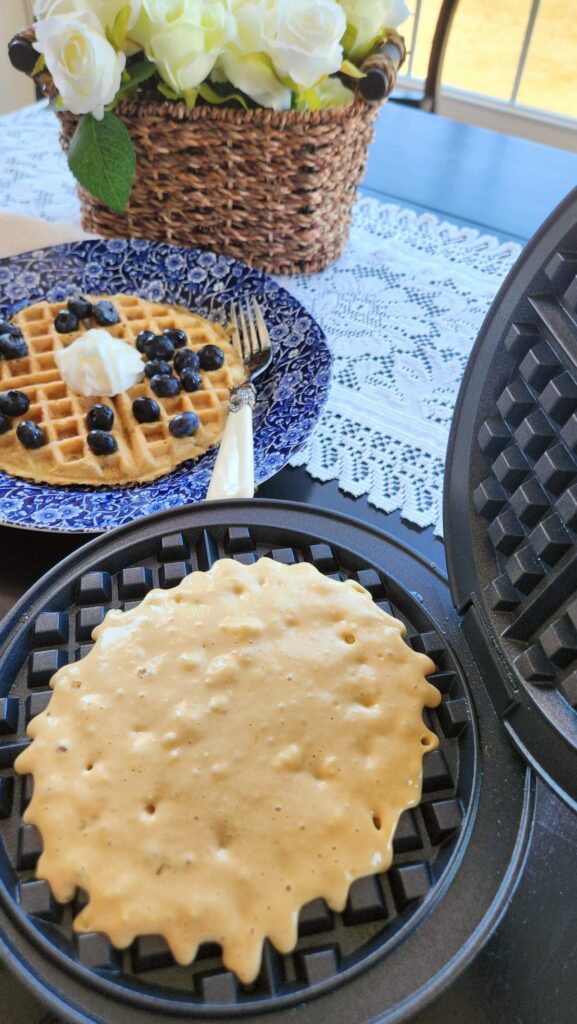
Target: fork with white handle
(233, 473)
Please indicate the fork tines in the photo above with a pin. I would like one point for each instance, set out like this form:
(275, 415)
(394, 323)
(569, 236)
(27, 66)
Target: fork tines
(249, 332)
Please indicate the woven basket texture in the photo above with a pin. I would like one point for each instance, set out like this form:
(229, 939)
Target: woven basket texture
(273, 188)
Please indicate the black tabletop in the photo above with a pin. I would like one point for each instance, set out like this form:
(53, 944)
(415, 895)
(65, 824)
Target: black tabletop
(527, 973)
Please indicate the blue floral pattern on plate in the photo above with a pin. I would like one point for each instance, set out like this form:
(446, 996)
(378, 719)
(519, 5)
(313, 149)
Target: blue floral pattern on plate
(290, 397)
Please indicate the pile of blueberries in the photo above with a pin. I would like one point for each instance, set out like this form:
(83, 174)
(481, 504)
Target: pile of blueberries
(16, 403)
(12, 344)
(161, 350)
(104, 313)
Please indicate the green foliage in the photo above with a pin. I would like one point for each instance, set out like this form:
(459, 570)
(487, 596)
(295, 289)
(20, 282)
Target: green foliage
(211, 96)
(117, 34)
(39, 66)
(351, 70)
(166, 91)
(133, 76)
(55, 103)
(102, 159)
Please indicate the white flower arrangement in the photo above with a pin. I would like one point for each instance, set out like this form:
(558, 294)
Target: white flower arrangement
(281, 54)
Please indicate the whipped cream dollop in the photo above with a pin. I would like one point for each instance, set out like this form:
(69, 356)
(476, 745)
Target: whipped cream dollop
(98, 364)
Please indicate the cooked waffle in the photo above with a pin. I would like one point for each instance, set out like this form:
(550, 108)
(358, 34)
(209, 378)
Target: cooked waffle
(145, 450)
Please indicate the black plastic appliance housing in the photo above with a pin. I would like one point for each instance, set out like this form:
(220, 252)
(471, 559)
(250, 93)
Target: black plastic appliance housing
(511, 502)
(403, 935)
(504, 640)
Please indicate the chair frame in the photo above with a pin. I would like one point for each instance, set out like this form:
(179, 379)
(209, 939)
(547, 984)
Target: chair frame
(429, 101)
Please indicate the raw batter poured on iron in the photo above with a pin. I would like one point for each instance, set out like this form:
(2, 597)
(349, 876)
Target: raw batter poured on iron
(228, 751)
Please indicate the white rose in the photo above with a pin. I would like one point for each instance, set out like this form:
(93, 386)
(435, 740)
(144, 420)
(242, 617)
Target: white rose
(48, 8)
(184, 38)
(246, 63)
(252, 73)
(105, 10)
(366, 20)
(86, 69)
(304, 38)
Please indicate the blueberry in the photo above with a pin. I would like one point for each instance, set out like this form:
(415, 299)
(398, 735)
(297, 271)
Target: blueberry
(165, 386)
(190, 379)
(155, 366)
(186, 358)
(80, 306)
(100, 417)
(211, 357)
(65, 322)
(145, 410)
(4, 423)
(6, 327)
(160, 348)
(101, 442)
(14, 403)
(12, 347)
(143, 339)
(105, 314)
(149, 347)
(183, 425)
(176, 336)
(30, 434)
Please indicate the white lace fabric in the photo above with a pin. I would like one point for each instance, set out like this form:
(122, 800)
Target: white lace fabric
(400, 310)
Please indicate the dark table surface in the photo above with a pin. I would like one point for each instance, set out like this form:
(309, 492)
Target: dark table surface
(527, 973)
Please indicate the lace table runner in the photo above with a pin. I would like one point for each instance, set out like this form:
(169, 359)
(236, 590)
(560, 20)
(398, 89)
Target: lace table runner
(401, 310)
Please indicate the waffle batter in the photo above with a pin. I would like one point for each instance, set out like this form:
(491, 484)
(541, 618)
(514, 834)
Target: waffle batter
(229, 750)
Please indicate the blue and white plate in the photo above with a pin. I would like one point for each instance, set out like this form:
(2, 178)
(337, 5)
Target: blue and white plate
(290, 396)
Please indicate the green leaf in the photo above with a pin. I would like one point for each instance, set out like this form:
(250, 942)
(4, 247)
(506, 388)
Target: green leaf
(55, 103)
(141, 71)
(351, 70)
(102, 158)
(210, 96)
(136, 73)
(120, 28)
(39, 66)
(308, 100)
(167, 91)
(349, 39)
(190, 97)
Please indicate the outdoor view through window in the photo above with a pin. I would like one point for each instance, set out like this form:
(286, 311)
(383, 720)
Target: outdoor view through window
(520, 51)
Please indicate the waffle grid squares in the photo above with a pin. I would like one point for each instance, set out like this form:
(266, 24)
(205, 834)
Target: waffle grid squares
(329, 943)
(145, 451)
(527, 499)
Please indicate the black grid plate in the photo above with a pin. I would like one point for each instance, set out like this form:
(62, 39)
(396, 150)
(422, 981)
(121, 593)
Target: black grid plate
(381, 910)
(511, 497)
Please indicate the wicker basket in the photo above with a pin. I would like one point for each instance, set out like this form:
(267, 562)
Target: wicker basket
(273, 188)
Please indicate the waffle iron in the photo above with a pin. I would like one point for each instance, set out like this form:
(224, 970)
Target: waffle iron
(502, 634)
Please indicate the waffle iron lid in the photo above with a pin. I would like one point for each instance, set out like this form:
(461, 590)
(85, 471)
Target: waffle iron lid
(510, 501)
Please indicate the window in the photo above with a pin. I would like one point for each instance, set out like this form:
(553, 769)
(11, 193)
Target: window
(517, 57)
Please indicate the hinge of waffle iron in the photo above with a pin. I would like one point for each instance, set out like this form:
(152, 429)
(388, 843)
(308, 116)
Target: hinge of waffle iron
(495, 672)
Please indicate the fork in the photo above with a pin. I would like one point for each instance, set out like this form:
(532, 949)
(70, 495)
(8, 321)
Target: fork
(233, 473)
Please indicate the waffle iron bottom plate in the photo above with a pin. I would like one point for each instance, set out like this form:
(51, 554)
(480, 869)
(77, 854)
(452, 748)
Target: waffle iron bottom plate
(403, 934)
